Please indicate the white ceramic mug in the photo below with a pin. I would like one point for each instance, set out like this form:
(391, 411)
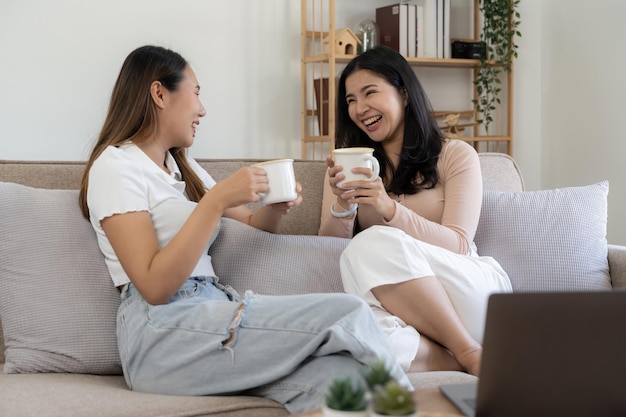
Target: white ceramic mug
(350, 158)
(282, 181)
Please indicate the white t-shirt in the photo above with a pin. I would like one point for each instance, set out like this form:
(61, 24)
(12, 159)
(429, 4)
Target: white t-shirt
(124, 179)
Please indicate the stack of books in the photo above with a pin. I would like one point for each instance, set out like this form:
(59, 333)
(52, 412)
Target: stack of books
(417, 28)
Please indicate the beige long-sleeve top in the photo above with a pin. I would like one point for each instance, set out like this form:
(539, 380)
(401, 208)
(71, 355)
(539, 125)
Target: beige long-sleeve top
(446, 215)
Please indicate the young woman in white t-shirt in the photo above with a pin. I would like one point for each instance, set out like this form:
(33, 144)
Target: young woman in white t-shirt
(156, 212)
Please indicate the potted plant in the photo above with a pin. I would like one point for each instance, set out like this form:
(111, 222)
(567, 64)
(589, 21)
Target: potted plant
(345, 398)
(500, 27)
(377, 374)
(392, 399)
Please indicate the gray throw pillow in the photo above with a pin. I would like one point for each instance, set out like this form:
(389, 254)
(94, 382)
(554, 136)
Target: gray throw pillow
(266, 263)
(550, 240)
(57, 302)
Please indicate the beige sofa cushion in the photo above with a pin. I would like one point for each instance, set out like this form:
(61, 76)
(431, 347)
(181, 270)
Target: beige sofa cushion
(57, 302)
(302, 220)
(549, 240)
(74, 395)
(250, 259)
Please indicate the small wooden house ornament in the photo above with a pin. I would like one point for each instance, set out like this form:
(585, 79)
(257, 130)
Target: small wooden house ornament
(453, 130)
(346, 42)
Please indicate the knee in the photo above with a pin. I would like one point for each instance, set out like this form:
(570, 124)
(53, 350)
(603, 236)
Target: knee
(305, 389)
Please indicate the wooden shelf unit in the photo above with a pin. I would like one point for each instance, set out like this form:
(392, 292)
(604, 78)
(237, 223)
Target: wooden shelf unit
(318, 29)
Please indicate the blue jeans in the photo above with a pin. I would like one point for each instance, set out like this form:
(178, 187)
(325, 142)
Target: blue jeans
(208, 340)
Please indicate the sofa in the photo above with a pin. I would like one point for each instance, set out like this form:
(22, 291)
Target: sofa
(57, 305)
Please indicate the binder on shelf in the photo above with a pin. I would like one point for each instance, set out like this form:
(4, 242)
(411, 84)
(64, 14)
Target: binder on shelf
(392, 21)
(430, 28)
(419, 23)
(447, 51)
(434, 35)
(412, 30)
(440, 28)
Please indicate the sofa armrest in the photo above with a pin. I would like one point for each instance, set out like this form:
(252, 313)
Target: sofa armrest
(617, 265)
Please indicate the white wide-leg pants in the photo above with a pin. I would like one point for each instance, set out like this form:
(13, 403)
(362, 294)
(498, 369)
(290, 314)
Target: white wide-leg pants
(382, 255)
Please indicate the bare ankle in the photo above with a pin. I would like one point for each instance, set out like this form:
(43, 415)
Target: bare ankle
(470, 359)
(432, 356)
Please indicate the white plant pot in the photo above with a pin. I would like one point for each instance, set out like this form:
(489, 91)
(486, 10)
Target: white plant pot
(329, 412)
(373, 414)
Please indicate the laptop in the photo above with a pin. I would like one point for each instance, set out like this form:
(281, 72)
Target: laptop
(550, 354)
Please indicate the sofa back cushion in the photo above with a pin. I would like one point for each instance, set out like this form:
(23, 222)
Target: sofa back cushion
(62, 175)
(268, 263)
(500, 172)
(548, 240)
(57, 302)
(302, 220)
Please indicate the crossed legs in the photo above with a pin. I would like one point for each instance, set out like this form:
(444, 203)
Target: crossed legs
(441, 294)
(424, 304)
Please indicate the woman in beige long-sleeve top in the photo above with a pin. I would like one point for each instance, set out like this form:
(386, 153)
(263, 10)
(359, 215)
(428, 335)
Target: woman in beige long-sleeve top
(412, 255)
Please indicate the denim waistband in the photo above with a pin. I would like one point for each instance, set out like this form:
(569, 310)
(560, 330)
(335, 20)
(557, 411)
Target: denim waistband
(190, 288)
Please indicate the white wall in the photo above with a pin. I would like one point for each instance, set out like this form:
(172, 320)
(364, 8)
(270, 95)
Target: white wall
(583, 91)
(527, 95)
(59, 60)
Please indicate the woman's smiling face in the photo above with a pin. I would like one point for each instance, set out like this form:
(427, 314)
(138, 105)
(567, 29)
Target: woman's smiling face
(375, 106)
(182, 113)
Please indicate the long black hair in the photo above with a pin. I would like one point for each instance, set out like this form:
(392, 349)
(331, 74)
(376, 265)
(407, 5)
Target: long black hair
(423, 140)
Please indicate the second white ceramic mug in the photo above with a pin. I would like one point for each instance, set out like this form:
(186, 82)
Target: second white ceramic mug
(350, 158)
(282, 181)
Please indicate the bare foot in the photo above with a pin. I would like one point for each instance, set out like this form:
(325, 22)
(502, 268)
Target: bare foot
(470, 359)
(432, 356)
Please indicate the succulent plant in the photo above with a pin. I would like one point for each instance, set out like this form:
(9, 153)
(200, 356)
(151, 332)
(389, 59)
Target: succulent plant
(392, 399)
(377, 374)
(343, 394)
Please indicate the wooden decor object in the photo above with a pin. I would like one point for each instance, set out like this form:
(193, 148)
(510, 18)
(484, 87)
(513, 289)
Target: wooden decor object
(346, 42)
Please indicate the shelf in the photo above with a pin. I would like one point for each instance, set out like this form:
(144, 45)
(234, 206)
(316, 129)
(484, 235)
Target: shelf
(426, 62)
(320, 61)
(423, 62)
(452, 62)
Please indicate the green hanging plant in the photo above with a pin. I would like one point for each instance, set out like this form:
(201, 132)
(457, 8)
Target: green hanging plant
(500, 27)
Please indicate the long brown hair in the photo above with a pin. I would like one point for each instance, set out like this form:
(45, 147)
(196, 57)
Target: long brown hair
(132, 114)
